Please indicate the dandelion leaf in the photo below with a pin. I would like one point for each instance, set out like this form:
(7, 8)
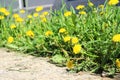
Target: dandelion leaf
(58, 59)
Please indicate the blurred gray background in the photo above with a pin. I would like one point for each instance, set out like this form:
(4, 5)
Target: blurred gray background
(47, 4)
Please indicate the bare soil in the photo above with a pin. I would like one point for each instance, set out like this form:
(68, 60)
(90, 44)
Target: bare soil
(18, 66)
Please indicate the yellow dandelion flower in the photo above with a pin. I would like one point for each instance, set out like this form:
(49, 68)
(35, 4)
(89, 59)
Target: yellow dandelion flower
(30, 33)
(67, 38)
(7, 13)
(70, 64)
(48, 33)
(15, 15)
(77, 48)
(101, 6)
(29, 16)
(35, 14)
(12, 26)
(80, 7)
(2, 17)
(19, 19)
(44, 19)
(3, 10)
(116, 38)
(62, 30)
(22, 11)
(113, 2)
(68, 13)
(82, 13)
(45, 13)
(90, 4)
(39, 8)
(10, 39)
(118, 63)
(74, 40)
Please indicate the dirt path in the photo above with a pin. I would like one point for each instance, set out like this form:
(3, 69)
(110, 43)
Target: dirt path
(16, 66)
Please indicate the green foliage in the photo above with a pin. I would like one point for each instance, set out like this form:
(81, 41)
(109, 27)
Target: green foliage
(52, 36)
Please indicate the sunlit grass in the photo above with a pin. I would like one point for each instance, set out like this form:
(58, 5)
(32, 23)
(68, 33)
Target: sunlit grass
(87, 37)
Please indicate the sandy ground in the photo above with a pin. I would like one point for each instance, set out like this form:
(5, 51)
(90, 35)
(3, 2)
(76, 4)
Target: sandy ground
(18, 66)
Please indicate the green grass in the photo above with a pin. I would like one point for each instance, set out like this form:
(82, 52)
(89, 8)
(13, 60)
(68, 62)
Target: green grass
(94, 30)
